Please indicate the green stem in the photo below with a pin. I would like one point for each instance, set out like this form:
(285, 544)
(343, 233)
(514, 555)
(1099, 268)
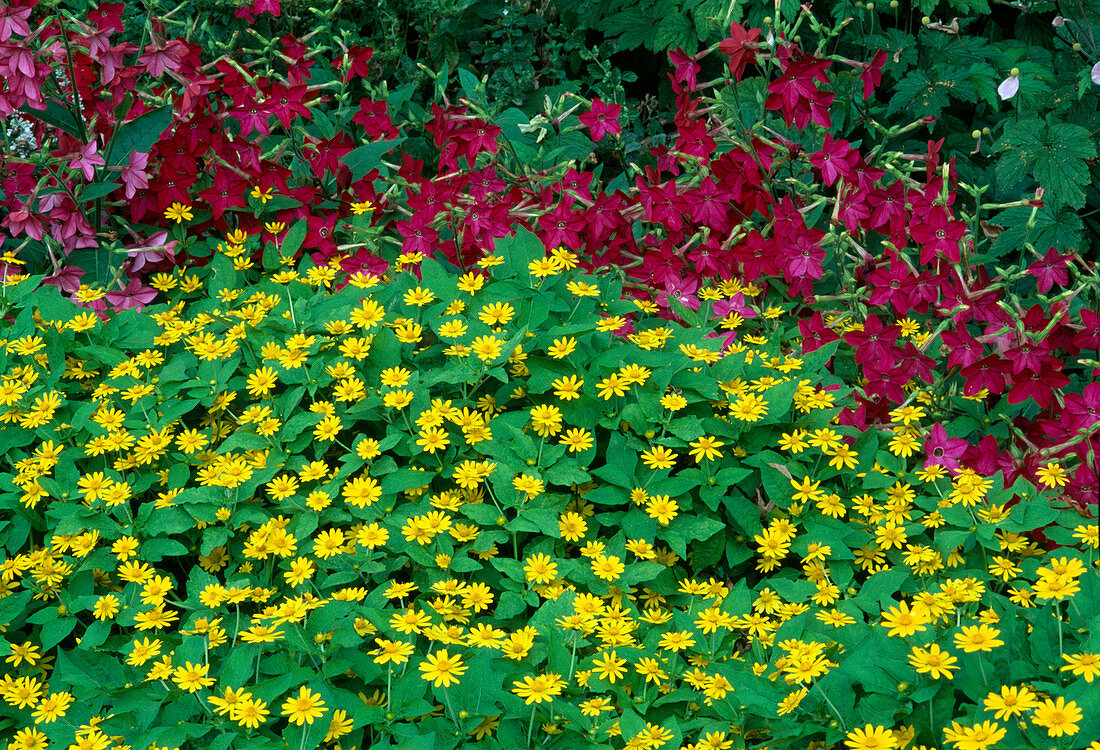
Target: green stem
(839, 718)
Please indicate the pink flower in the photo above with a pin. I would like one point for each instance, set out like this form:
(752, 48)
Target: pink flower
(939, 449)
(157, 59)
(134, 176)
(87, 160)
(154, 250)
(21, 221)
(132, 295)
(14, 21)
(602, 119)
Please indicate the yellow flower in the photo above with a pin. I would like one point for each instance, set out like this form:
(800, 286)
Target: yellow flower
(610, 667)
(539, 689)
(673, 401)
(706, 447)
(396, 652)
(1057, 717)
(659, 457)
(568, 388)
(496, 314)
(562, 347)
(51, 709)
(540, 568)
(419, 297)
(933, 661)
(749, 408)
(192, 677)
(577, 440)
(443, 669)
(249, 712)
(529, 485)
(572, 526)
(903, 622)
(663, 508)
(27, 652)
(978, 638)
(1011, 701)
(545, 267)
(613, 385)
(487, 348)
(607, 567)
(1085, 665)
(179, 212)
(1052, 475)
(593, 707)
(871, 738)
(433, 439)
(303, 708)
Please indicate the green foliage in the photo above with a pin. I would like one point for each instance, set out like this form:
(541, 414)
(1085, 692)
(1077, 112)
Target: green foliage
(429, 510)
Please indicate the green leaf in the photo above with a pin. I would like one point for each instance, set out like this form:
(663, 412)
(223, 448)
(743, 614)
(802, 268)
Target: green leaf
(138, 134)
(1051, 228)
(919, 95)
(365, 158)
(294, 238)
(100, 189)
(58, 115)
(1054, 154)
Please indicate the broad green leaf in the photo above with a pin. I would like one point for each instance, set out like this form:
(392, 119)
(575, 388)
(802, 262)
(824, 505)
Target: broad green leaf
(1054, 154)
(139, 134)
(368, 157)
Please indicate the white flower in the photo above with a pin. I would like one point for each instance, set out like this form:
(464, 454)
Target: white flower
(1009, 87)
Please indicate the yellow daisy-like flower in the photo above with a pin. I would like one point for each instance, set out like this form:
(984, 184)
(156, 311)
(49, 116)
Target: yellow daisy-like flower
(659, 457)
(1085, 665)
(1058, 717)
(933, 661)
(541, 689)
(540, 569)
(577, 440)
(871, 738)
(303, 708)
(978, 638)
(443, 669)
(179, 212)
(609, 666)
(1011, 701)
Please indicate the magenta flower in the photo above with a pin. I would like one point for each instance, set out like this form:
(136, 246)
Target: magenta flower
(1050, 270)
(602, 119)
(87, 160)
(939, 449)
(133, 295)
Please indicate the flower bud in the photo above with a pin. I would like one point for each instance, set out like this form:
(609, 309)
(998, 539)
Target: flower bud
(976, 134)
(1058, 22)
